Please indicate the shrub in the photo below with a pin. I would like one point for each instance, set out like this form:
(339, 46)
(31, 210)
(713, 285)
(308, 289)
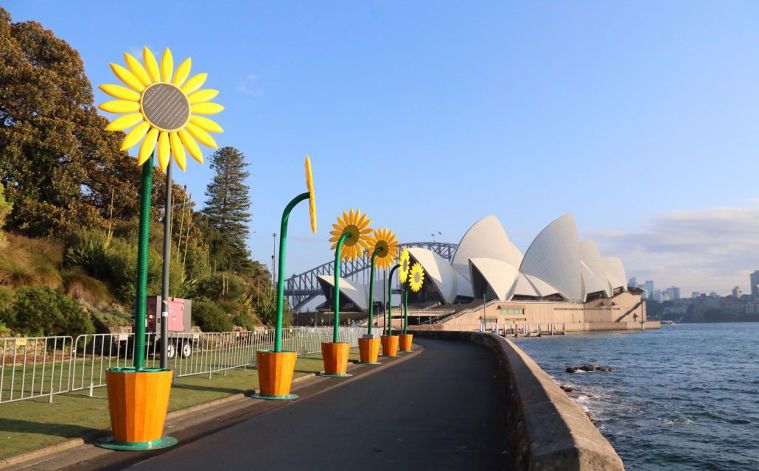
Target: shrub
(30, 262)
(6, 296)
(45, 312)
(210, 317)
(221, 287)
(79, 285)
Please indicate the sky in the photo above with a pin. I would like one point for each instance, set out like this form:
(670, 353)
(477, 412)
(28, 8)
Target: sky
(640, 118)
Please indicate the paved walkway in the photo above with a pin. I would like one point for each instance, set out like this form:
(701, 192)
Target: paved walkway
(439, 410)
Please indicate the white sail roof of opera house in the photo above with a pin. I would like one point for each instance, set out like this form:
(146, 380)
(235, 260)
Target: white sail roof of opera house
(554, 257)
(357, 293)
(485, 239)
(438, 271)
(594, 271)
(499, 275)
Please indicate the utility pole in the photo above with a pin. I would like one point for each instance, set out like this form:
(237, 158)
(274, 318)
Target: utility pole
(273, 253)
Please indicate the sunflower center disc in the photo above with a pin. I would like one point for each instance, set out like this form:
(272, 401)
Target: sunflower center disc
(165, 106)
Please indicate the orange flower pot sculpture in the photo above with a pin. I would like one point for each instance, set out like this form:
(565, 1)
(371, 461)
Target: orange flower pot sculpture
(138, 402)
(335, 355)
(405, 341)
(369, 350)
(275, 374)
(389, 345)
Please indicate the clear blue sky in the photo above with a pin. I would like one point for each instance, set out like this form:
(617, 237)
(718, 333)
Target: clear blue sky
(429, 115)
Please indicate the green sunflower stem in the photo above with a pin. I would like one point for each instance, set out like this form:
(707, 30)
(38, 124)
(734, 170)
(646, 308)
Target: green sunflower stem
(389, 323)
(371, 292)
(405, 309)
(281, 269)
(338, 256)
(140, 302)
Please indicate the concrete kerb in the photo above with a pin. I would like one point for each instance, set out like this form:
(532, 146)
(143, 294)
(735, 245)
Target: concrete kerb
(46, 453)
(548, 430)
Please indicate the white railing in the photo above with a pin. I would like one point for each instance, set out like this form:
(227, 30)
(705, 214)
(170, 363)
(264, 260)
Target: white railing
(45, 366)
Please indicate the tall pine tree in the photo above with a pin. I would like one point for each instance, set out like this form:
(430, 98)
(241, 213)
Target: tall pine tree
(227, 210)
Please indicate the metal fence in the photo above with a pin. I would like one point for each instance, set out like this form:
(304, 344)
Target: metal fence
(46, 366)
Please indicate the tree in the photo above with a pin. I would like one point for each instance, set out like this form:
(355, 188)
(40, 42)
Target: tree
(59, 166)
(227, 210)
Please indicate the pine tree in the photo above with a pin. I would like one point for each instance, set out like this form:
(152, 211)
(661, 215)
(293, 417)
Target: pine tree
(227, 209)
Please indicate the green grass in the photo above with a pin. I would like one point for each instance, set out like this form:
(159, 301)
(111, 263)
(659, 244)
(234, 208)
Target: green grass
(31, 424)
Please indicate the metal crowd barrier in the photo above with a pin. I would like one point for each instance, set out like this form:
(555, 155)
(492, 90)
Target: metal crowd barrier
(34, 367)
(45, 366)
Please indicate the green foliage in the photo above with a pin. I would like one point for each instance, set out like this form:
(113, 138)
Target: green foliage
(79, 285)
(221, 287)
(5, 209)
(45, 312)
(6, 296)
(210, 317)
(59, 165)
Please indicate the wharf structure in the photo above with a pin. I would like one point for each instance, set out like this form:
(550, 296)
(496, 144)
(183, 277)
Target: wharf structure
(560, 284)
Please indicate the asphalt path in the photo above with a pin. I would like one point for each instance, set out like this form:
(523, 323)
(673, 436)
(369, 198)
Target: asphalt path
(442, 409)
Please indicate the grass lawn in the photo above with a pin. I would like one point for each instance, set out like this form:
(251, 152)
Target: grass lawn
(32, 424)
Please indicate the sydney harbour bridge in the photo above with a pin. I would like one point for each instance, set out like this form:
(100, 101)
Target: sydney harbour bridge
(302, 288)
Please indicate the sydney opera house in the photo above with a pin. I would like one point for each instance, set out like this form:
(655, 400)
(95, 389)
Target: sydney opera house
(560, 281)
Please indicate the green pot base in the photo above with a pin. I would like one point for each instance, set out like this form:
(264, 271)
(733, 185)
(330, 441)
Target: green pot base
(335, 375)
(282, 397)
(111, 444)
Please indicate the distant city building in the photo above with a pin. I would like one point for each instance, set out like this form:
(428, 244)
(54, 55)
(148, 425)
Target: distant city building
(658, 295)
(737, 292)
(632, 282)
(648, 289)
(714, 295)
(696, 294)
(754, 277)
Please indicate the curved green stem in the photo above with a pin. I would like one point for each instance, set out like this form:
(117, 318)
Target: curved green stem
(143, 247)
(281, 267)
(371, 292)
(338, 255)
(389, 324)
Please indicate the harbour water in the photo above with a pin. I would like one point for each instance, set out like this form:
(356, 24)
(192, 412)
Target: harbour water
(683, 397)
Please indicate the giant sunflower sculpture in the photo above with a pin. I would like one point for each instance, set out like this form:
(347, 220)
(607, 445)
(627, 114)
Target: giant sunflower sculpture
(357, 226)
(311, 195)
(383, 242)
(405, 264)
(417, 277)
(163, 108)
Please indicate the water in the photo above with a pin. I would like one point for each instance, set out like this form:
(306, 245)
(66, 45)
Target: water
(682, 397)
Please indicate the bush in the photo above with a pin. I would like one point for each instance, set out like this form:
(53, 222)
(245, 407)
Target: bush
(6, 296)
(46, 312)
(210, 317)
(221, 287)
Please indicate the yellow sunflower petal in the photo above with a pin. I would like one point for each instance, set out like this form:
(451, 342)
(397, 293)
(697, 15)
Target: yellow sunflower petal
(120, 106)
(167, 65)
(122, 93)
(201, 135)
(191, 146)
(201, 96)
(135, 135)
(183, 71)
(151, 64)
(206, 108)
(147, 147)
(137, 69)
(205, 124)
(178, 150)
(164, 150)
(194, 83)
(124, 122)
(127, 77)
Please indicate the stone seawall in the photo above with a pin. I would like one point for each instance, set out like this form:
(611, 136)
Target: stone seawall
(548, 430)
